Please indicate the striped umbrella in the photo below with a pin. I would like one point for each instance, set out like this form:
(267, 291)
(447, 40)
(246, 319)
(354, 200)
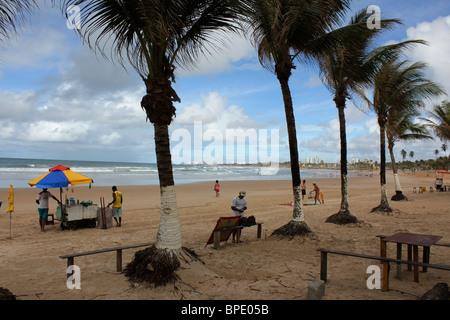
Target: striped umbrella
(59, 177)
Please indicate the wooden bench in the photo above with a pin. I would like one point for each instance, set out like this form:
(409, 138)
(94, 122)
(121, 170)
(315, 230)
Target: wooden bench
(426, 254)
(218, 231)
(385, 276)
(71, 257)
(436, 244)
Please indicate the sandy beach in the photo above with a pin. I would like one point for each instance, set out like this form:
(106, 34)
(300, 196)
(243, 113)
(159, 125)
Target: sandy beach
(268, 268)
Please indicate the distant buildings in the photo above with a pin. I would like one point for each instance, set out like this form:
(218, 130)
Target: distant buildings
(315, 160)
(352, 163)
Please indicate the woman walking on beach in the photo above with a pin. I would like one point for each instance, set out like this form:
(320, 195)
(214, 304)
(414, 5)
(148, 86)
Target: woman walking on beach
(316, 193)
(217, 188)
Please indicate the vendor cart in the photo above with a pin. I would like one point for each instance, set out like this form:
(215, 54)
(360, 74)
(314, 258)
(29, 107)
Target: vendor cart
(77, 215)
(71, 214)
(439, 182)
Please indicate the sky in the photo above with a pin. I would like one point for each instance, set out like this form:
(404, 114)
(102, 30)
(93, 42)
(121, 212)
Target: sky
(59, 100)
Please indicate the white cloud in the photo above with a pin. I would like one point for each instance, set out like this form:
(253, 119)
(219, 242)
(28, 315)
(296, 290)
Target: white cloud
(48, 131)
(436, 54)
(38, 48)
(215, 114)
(15, 106)
(109, 139)
(225, 53)
(313, 82)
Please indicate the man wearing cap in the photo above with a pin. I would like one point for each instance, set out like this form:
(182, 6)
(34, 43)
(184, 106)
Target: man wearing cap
(239, 205)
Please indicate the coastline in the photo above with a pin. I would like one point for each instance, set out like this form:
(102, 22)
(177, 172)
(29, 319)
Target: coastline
(258, 269)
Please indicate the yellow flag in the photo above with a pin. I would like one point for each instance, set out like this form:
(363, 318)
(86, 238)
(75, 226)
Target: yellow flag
(10, 199)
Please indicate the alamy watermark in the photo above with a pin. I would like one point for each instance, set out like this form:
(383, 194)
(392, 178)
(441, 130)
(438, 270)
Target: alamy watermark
(74, 278)
(374, 21)
(234, 146)
(73, 17)
(374, 280)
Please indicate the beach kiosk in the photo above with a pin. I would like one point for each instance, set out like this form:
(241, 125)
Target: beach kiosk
(439, 182)
(71, 213)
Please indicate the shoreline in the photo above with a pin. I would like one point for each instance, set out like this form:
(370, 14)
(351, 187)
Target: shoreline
(359, 173)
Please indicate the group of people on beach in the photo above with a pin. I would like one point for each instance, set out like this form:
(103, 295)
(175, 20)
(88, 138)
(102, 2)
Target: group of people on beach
(316, 190)
(238, 204)
(43, 197)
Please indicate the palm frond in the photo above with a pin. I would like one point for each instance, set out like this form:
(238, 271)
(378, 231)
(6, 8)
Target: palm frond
(440, 120)
(350, 62)
(288, 30)
(12, 14)
(148, 33)
(399, 86)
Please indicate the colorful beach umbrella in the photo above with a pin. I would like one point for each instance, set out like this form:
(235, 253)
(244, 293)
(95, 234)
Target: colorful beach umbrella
(59, 177)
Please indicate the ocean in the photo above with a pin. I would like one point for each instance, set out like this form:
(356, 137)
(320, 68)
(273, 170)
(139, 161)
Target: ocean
(19, 172)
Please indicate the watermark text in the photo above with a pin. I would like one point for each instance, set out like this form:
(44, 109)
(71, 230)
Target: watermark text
(234, 146)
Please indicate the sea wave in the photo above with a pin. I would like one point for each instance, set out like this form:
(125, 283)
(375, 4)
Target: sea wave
(19, 171)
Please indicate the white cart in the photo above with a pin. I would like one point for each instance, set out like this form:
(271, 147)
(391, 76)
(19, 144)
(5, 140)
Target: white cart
(75, 216)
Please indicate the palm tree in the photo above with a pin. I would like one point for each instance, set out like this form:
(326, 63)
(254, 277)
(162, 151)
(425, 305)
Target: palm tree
(400, 126)
(394, 84)
(12, 12)
(403, 153)
(436, 152)
(155, 36)
(444, 148)
(440, 120)
(351, 65)
(283, 30)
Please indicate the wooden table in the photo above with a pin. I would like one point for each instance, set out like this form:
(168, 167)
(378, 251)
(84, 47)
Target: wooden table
(413, 241)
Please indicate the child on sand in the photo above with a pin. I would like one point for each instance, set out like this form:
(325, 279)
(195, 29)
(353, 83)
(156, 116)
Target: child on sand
(217, 188)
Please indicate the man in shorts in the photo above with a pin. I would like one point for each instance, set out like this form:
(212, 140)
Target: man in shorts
(117, 206)
(42, 201)
(238, 205)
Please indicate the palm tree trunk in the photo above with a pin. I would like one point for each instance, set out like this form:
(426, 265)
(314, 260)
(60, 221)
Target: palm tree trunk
(384, 205)
(398, 196)
(343, 216)
(157, 264)
(169, 233)
(297, 226)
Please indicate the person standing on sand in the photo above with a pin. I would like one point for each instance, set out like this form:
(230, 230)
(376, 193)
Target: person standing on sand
(238, 205)
(316, 193)
(217, 188)
(42, 201)
(303, 189)
(117, 206)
